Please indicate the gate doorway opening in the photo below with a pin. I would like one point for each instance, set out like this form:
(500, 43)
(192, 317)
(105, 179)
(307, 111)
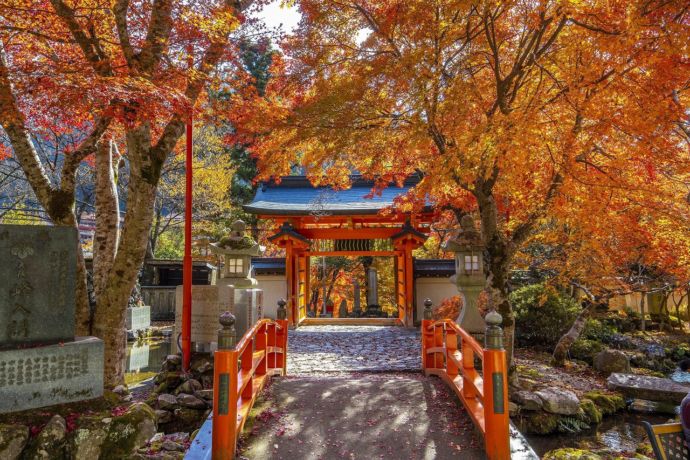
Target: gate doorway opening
(359, 287)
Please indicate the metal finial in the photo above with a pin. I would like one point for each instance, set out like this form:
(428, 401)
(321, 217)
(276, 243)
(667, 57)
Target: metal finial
(493, 318)
(493, 337)
(226, 334)
(227, 319)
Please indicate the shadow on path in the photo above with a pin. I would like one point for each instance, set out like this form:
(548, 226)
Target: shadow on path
(362, 416)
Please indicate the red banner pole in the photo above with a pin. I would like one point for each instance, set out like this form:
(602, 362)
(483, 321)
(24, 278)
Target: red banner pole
(187, 260)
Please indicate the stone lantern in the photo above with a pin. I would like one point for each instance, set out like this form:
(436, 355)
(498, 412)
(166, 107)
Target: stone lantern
(469, 274)
(236, 252)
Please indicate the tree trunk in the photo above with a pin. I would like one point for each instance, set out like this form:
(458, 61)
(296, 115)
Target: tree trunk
(643, 298)
(109, 319)
(560, 352)
(497, 259)
(107, 232)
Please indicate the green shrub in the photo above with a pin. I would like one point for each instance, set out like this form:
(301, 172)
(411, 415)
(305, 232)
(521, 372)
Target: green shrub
(585, 349)
(542, 314)
(596, 329)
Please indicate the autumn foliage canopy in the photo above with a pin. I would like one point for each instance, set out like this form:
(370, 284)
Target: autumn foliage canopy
(565, 121)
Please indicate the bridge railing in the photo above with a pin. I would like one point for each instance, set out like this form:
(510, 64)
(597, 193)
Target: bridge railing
(240, 372)
(449, 352)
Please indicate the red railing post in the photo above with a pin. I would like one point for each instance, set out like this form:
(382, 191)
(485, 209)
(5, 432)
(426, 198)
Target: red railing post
(282, 336)
(224, 436)
(271, 343)
(439, 357)
(468, 390)
(495, 376)
(451, 348)
(427, 336)
(261, 345)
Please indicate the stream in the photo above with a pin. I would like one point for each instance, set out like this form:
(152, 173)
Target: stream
(620, 433)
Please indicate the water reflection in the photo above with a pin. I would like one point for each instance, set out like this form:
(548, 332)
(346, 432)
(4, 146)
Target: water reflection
(622, 433)
(144, 359)
(680, 376)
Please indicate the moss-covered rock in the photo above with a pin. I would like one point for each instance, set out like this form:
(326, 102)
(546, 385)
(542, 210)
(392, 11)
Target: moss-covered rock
(170, 379)
(540, 422)
(592, 414)
(607, 402)
(87, 439)
(13, 438)
(50, 442)
(585, 349)
(571, 454)
(129, 432)
(648, 372)
(111, 398)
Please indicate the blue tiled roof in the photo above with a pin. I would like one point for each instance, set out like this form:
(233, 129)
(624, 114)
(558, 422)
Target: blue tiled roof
(423, 268)
(268, 265)
(296, 196)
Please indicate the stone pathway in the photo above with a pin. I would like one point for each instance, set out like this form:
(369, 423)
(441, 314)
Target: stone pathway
(315, 349)
(361, 416)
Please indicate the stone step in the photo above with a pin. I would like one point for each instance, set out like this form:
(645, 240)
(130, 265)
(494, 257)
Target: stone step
(646, 387)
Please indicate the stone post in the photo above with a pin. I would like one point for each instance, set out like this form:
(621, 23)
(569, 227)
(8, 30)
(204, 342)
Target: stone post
(428, 311)
(227, 336)
(282, 310)
(493, 338)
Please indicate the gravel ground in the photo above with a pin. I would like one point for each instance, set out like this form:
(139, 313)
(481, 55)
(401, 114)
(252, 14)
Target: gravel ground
(318, 349)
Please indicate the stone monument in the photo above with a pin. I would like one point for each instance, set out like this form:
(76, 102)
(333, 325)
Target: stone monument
(469, 274)
(41, 362)
(372, 287)
(234, 292)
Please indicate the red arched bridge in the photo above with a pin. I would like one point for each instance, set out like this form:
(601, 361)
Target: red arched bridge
(476, 374)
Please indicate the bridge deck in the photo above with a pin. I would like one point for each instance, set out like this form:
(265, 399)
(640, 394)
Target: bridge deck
(356, 392)
(363, 416)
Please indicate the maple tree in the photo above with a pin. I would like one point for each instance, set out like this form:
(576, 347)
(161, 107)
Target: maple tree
(526, 114)
(126, 74)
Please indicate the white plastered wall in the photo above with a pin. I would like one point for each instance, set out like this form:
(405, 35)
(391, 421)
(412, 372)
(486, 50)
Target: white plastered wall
(436, 289)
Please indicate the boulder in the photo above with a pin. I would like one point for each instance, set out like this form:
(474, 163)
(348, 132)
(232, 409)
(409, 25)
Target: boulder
(527, 400)
(172, 446)
(607, 403)
(191, 401)
(591, 413)
(539, 422)
(50, 442)
(646, 387)
(13, 438)
(163, 416)
(190, 386)
(167, 401)
(609, 361)
(87, 439)
(559, 401)
(129, 432)
(201, 363)
(204, 394)
(189, 418)
(652, 407)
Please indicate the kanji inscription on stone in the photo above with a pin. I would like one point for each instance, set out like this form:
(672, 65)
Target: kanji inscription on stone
(37, 284)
